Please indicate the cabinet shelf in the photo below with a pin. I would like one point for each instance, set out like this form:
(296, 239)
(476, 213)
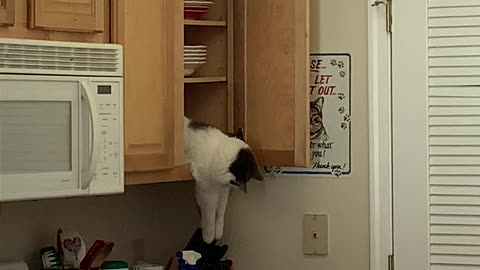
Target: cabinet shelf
(205, 79)
(177, 174)
(205, 23)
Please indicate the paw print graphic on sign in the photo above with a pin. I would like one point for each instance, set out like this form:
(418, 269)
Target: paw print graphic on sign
(346, 118)
(267, 169)
(337, 172)
(341, 96)
(341, 64)
(343, 74)
(341, 110)
(333, 62)
(344, 125)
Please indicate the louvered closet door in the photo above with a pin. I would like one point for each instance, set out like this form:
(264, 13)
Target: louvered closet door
(436, 136)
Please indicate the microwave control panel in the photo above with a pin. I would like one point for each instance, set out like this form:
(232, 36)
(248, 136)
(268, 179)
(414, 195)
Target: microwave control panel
(108, 97)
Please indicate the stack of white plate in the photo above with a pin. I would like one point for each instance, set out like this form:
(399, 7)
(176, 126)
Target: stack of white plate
(193, 57)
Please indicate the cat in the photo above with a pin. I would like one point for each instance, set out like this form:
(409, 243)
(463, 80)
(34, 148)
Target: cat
(317, 129)
(218, 163)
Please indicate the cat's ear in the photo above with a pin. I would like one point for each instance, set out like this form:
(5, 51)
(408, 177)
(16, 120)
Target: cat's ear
(319, 101)
(255, 168)
(238, 134)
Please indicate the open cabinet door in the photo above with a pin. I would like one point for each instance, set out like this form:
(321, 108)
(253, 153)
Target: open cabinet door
(271, 79)
(151, 32)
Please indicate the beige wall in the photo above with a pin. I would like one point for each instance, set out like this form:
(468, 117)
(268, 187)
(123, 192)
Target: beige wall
(265, 226)
(147, 223)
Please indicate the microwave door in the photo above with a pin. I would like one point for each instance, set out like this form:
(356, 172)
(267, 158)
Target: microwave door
(90, 135)
(39, 138)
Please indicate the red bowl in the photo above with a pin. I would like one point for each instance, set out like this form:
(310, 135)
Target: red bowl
(196, 8)
(189, 14)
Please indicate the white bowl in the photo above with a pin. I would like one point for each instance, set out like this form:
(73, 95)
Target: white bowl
(189, 68)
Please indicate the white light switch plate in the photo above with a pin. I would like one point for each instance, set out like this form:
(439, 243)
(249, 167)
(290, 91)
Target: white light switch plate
(315, 234)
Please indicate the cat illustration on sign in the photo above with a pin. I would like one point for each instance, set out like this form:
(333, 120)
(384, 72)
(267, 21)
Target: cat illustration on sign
(317, 129)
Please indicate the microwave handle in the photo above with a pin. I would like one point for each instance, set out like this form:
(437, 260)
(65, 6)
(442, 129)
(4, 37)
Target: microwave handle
(89, 173)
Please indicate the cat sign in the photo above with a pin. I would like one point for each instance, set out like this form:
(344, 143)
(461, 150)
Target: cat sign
(330, 117)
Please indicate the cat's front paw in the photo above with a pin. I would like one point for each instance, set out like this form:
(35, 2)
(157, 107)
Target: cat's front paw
(208, 236)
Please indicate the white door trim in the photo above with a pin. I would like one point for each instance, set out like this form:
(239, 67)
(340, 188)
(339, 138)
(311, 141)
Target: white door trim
(379, 90)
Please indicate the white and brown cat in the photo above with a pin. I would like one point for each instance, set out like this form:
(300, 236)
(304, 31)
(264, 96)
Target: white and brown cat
(218, 162)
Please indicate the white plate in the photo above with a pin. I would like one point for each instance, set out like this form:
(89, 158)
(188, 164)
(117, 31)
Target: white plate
(195, 6)
(198, 3)
(194, 60)
(194, 54)
(195, 63)
(194, 57)
(194, 46)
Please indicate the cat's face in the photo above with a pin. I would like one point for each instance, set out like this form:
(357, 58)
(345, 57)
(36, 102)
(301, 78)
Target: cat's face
(316, 116)
(244, 168)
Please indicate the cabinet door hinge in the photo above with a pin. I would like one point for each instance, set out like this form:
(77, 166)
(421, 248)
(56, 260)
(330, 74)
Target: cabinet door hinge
(239, 134)
(390, 262)
(388, 8)
(389, 16)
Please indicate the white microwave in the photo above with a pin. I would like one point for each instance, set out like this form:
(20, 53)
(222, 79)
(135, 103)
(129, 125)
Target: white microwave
(61, 119)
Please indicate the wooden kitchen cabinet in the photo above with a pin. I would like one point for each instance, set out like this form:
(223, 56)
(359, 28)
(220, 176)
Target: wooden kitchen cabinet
(67, 15)
(7, 12)
(152, 36)
(61, 20)
(255, 79)
(272, 78)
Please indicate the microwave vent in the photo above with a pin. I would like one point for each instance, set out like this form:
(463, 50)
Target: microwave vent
(60, 58)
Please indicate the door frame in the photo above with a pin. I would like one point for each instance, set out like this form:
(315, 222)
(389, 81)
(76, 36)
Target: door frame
(380, 138)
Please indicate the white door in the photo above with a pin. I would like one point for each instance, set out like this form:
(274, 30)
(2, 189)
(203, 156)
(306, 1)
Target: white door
(436, 134)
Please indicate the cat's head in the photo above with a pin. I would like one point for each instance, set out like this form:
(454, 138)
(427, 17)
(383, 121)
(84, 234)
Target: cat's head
(243, 168)
(316, 115)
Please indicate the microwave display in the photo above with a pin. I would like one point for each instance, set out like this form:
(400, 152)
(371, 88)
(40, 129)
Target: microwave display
(104, 89)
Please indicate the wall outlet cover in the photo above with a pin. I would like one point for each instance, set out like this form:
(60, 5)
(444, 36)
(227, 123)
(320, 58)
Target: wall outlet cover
(315, 234)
